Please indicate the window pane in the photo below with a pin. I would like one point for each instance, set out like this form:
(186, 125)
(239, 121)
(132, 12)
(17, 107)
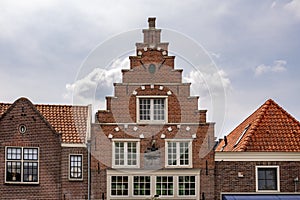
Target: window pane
(13, 153)
(30, 172)
(119, 185)
(119, 153)
(141, 185)
(187, 185)
(144, 109)
(13, 171)
(184, 153)
(131, 150)
(76, 166)
(267, 178)
(164, 185)
(159, 109)
(30, 154)
(172, 160)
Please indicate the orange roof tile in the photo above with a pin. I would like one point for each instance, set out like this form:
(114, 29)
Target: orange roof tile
(269, 128)
(67, 120)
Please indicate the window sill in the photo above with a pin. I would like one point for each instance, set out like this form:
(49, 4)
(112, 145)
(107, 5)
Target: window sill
(22, 183)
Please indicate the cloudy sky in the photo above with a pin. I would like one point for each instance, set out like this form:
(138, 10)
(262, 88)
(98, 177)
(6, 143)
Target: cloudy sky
(254, 45)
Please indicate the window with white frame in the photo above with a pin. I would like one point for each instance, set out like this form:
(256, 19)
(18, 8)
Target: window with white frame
(152, 109)
(22, 165)
(164, 185)
(141, 185)
(119, 185)
(75, 167)
(186, 185)
(126, 153)
(267, 178)
(179, 153)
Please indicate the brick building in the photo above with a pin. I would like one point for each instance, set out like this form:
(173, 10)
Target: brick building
(260, 158)
(152, 139)
(43, 152)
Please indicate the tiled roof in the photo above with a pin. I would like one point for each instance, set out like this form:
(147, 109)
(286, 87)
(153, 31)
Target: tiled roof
(269, 128)
(67, 120)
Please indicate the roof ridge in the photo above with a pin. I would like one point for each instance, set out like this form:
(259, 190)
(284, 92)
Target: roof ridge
(262, 110)
(286, 113)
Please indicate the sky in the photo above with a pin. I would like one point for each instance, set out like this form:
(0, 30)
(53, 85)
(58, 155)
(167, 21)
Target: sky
(254, 46)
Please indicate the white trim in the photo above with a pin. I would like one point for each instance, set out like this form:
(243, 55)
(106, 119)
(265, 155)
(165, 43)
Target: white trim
(73, 145)
(151, 121)
(22, 166)
(257, 156)
(190, 165)
(256, 178)
(125, 153)
(88, 121)
(132, 189)
(69, 169)
(175, 173)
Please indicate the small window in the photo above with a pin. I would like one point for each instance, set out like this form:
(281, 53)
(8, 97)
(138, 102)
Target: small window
(267, 178)
(164, 185)
(126, 153)
(152, 110)
(75, 167)
(141, 185)
(22, 165)
(179, 153)
(187, 186)
(119, 185)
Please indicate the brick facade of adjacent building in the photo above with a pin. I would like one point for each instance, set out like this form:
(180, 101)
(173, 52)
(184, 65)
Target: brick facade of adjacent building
(53, 159)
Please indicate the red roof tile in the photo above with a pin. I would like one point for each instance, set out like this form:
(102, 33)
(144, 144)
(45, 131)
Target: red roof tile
(67, 120)
(271, 128)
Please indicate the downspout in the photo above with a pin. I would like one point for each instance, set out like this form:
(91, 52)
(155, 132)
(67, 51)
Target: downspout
(88, 144)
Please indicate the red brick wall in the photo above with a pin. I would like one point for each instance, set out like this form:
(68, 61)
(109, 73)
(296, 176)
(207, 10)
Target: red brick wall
(227, 180)
(74, 189)
(182, 109)
(38, 134)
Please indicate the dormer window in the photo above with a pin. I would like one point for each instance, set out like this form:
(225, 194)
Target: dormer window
(152, 109)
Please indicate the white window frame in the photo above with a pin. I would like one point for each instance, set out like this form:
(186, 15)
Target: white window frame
(179, 188)
(126, 153)
(132, 185)
(173, 183)
(128, 186)
(177, 141)
(22, 160)
(175, 173)
(69, 170)
(278, 178)
(152, 121)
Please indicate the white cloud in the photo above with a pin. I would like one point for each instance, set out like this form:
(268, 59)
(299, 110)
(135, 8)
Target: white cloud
(206, 85)
(84, 91)
(294, 8)
(278, 66)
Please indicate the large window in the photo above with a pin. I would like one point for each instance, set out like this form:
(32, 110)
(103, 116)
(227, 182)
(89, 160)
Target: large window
(141, 185)
(119, 185)
(267, 178)
(179, 153)
(75, 167)
(164, 185)
(175, 184)
(187, 185)
(22, 165)
(126, 153)
(152, 109)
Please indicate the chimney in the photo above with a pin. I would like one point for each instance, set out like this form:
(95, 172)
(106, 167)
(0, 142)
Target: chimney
(151, 21)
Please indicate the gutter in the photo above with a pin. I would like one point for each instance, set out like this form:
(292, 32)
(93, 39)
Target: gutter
(88, 144)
